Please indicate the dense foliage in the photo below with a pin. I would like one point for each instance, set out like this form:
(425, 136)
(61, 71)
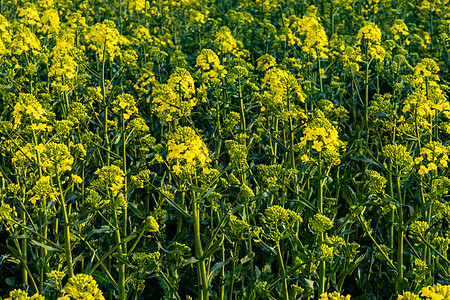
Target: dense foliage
(201, 149)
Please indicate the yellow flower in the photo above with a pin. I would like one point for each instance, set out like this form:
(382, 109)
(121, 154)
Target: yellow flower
(371, 33)
(408, 296)
(105, 36)
(399, 29)
(431, 166)
(313, 40)
(29, 16)
(423, 170)
(436, 292)
(81, 286)
(110, 182)
(225, 42)
(136, 5)
(63, 66)
(187, 150)
(22, 295)
(126, 104)
(377, 52)
(317, 146)
(76, 179)
(28, 108)
(56, 158)
(50, 22)
(334, 296)
(42, 191)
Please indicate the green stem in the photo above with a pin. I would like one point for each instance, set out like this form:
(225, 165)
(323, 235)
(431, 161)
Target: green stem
(241, 100)
(322, 265)
(125, 186)
(201, 267)
(283, 272)
(67, 246)
(106, 106)
(121, 283)
(366, 105)
(235, 254)
(399, 286)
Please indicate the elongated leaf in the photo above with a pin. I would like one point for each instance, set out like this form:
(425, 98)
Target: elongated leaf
(135, 210)
(215, 270)
(213, 248)
(247, 258)
(49, 248)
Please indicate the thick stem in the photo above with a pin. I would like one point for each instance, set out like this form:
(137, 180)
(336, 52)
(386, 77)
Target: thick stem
(322, 265)
(201, 267)
(235, 254)
(399, 285)
(283, 272)
(366, 105)
(67, 246)
(121, 283)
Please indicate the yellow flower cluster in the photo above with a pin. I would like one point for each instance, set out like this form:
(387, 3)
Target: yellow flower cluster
(146, 259)
(7, 215)
(276, 218)
(22, 295)
(42, 191)
(176, 98)
(417, 230)
(426, 71)
(408, 296)
(265, 62)
(27, 108)
(280, 85)
(104, 37)
(370, 33)
(187, 150)
(110, 180)
(196, 17)
(377, 183)
(5, 36)
(334, 296)
(323, 137)
(209, 64)
(314, 40)
(182, 83)
(377, 52)
(321, 223)
(50, 23)
(432, 156)
(24, 40)
(126, 104)
(136, 5)
(29, 16)
(399, 29)
(238, 228)
(225, 42)
(81, 286)
(63, 65)
(399, 157)
(436, 292)
(56, 158)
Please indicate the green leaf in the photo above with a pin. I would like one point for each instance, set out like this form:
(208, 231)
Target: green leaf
(215, 270)
(247, 258)
(47, 247)
(135, 210)
(209, 192)
(101, 230)
(192, 260)
(366, 160)
(213, 248)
